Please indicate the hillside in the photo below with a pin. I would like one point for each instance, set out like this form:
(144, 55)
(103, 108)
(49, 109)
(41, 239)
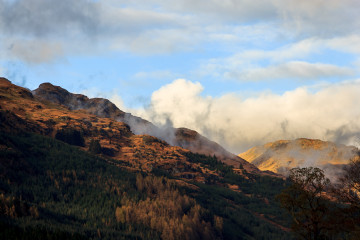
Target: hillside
(282, 155)
(182, 137)
(67, 173)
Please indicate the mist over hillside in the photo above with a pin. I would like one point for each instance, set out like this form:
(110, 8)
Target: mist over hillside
(239, 124)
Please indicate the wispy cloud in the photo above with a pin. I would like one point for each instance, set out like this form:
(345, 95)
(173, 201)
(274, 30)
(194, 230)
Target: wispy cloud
(321, 18)
(290, 70)
(292, 61)
(33, 51)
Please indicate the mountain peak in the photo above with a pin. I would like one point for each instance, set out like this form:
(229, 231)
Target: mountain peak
(12, 89)
(97, 106)
(4, 81)
(48, 85)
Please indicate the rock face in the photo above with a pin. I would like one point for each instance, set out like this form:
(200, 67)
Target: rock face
(182, 137)
(97, 106)
(282, 155)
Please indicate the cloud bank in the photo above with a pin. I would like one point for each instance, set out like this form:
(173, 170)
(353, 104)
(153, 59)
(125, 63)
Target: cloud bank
(327, 112)
(158, 26)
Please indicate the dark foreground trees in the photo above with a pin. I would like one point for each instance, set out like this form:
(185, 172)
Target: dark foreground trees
(320, 210)
(347, 192)
(305, 202)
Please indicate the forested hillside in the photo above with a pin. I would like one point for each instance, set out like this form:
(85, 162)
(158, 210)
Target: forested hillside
(70, 174)
(52, 190)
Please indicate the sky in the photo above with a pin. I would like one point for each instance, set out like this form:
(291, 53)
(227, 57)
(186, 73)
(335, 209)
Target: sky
(241, 72)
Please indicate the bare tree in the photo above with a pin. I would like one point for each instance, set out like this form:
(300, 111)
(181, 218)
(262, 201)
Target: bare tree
(347, 192)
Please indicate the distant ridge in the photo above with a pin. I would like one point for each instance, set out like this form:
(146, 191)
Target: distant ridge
(282, 155)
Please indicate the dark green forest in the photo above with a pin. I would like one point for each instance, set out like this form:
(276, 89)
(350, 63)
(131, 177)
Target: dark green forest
(52, 190)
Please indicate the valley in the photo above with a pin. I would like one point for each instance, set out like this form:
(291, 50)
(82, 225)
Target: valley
(78, 168)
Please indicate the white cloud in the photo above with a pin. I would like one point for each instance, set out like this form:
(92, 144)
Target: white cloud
(288, 61)
(216, 10)
(322, 18)
(329, 112)
(350, 43)
(157, 41)
(290, 70)
(185, 97)
(318, 17)
(227, 10)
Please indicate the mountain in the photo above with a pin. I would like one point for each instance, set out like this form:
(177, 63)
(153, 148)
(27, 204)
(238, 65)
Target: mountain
(282, 155)
(21, 110)
(182, 137)
(195, 142)
(69, 173)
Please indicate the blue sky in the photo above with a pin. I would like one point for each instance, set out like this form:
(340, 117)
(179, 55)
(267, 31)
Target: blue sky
(216, 66)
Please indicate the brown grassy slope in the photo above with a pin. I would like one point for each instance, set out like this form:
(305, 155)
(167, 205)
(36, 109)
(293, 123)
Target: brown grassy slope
(20, 110)
(185, 138)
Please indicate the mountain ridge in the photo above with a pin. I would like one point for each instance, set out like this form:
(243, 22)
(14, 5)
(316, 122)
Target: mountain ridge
(36, 113)
(182, 137)
(71, 172)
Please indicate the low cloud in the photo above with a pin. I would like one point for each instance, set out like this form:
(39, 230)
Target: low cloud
(329, 112)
